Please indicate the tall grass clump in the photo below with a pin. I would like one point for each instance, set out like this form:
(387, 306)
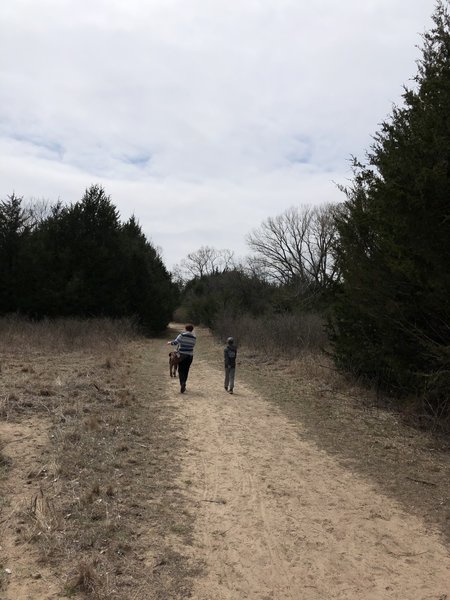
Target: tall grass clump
(63, 335)
(295, 334)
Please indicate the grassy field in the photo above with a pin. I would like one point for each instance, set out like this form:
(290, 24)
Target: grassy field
(88, 454)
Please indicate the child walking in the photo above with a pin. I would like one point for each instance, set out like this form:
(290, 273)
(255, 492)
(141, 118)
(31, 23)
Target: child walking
(229, 355)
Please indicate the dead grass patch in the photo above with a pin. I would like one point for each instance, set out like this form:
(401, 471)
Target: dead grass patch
(18, 334)
(85, 580)
(101, 496)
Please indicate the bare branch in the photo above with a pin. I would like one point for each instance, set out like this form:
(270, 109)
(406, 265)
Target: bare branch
(297, 245)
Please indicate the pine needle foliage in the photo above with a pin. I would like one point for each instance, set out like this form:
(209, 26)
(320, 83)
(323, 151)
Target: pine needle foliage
(391, 321)
(80, 260)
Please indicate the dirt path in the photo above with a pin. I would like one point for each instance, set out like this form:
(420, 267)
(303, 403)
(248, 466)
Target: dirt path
(278, 518)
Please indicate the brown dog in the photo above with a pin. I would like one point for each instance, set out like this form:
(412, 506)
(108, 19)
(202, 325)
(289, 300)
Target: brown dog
(173, 363)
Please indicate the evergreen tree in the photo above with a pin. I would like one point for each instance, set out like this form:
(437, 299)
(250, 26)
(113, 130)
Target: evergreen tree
(15, 229)
(232, 292)
(150, 293)
(92, 233)
(79, 260)
(392, 317)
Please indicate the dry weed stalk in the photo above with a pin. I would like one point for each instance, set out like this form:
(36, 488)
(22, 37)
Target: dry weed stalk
(5, 461)
(44, 513)
(4, 407)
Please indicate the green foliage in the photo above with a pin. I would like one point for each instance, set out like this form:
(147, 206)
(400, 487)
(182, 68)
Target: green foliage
(14, 236)
(392, 317)
(230, 292)
(79, 260)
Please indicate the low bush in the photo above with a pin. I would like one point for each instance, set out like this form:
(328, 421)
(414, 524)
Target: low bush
(280, 333)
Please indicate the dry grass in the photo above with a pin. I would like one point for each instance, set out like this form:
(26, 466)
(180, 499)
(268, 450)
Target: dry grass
(19, 335)
(276, 334)
(5, 462)
(84, 580)
(100, 498)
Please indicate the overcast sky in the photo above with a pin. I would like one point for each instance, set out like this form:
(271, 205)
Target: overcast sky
(201, 117)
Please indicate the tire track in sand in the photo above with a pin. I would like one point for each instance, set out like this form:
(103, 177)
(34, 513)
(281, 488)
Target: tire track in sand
(277, 518)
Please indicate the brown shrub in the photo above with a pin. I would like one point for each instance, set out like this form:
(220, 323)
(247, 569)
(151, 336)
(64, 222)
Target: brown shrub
(275, 334)
(63, 335)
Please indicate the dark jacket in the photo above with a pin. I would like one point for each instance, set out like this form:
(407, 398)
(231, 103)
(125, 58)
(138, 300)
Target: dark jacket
(229, 355)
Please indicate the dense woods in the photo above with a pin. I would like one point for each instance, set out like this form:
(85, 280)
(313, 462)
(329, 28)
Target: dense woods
(391, 320)
(80, 260)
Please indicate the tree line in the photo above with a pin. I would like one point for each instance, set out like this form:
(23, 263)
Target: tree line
(81, 260)
(392, 311)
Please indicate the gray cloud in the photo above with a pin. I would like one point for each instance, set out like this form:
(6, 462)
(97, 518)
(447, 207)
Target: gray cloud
(202, 118)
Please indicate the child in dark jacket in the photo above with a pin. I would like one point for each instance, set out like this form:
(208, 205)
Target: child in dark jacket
(229, 355)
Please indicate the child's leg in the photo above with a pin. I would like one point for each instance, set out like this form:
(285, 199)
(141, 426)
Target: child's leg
(227, 377)
(231, 377)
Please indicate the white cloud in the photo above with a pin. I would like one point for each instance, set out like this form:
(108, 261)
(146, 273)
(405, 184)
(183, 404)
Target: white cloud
(200, 117)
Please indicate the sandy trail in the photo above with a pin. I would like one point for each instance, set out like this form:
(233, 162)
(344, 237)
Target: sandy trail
(278, 518)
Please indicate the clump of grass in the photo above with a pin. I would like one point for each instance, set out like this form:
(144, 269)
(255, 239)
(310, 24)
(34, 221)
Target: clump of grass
(4, 406)
(85, 580)
(92, 423)
(5, 462)
(92, 495)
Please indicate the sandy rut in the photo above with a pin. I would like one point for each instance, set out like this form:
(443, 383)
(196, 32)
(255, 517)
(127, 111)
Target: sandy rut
(277, 518)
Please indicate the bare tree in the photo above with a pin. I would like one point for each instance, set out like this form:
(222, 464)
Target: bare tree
(297, 246)
(205, 261)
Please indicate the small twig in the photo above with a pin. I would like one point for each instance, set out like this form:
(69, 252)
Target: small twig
(25, 437)
(422, 481)
(215, 501)
(45, 406)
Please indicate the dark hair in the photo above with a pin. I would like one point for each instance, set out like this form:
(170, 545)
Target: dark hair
(189, 327)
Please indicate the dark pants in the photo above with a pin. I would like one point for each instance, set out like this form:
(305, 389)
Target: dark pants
(183, 368)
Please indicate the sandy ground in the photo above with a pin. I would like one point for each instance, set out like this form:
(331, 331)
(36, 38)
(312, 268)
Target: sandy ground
(277, 518)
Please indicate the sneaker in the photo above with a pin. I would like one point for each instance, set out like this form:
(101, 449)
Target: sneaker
(226, 389)
(230, 391)
(183, 388)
